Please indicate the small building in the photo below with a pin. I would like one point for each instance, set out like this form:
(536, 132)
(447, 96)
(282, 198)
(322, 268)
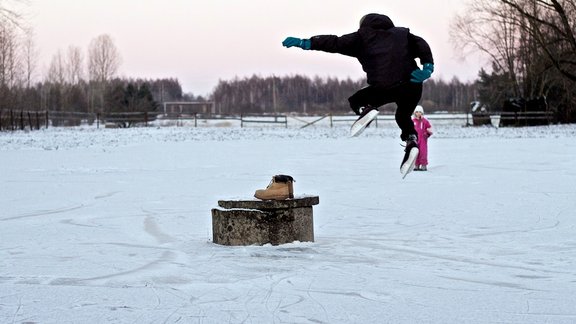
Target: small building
(188, 108)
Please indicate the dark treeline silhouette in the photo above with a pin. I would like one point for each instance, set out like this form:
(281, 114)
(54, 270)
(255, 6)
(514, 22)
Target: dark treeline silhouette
(254, 95)
(116, 95)
(454, 96)
(297, 94)
(303, 95)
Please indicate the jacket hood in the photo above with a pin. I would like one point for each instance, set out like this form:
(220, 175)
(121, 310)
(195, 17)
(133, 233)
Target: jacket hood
(376, 21)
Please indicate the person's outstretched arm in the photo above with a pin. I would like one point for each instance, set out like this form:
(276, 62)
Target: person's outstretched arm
(346, 44)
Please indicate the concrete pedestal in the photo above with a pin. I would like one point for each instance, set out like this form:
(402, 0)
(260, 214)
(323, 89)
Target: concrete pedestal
(248, 222)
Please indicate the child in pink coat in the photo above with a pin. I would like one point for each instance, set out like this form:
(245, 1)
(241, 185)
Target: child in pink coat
(424, 130)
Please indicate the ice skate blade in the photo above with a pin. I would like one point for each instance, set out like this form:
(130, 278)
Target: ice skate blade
(408, 166)
(360, 125)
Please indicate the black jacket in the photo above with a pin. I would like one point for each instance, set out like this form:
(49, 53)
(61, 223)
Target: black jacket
(385, 52)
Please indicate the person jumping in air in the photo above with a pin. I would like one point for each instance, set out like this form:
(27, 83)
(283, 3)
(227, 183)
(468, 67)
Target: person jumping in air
(424, 130)
(387, 55)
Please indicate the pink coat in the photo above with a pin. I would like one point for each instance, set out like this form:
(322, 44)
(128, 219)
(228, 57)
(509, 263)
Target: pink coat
(424, 130)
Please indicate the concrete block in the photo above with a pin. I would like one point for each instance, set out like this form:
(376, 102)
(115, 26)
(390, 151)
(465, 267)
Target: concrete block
(248, 222)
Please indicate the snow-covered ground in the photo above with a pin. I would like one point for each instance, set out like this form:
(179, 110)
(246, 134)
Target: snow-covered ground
(114, 226)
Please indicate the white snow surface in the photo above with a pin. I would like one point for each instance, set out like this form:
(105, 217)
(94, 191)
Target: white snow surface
(114, 226)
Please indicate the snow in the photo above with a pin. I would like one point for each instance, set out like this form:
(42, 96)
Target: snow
(114, 226)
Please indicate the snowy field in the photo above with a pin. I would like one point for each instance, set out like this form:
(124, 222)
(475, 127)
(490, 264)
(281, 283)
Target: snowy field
(114, 226)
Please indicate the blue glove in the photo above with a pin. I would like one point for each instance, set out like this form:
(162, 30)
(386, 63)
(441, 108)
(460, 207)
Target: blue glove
(419, 76)
(304, 44)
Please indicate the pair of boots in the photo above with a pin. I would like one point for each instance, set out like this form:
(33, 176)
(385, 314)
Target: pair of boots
(280, 188)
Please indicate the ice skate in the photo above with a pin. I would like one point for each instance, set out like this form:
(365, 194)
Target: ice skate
(410, 155)
(367, 115)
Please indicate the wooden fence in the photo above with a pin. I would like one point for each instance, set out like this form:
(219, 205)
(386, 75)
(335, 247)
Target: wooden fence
(19, 120)
(243, 120)
(11, 120)
(514, 119)
(264, 119)
(386, 119)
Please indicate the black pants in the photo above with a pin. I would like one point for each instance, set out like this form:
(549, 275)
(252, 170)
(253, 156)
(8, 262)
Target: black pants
(406, 96)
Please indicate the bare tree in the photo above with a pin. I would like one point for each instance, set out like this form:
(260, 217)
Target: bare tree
(29, 58)
(57, 70)
(487, 26)
(55, 79)
(13, 37)
(532, 44)
(74, 65)
(496, 27)
(8, 56)
(103, 63)
(10, 16)
(103, 59)
(12, 53)
(552, 24)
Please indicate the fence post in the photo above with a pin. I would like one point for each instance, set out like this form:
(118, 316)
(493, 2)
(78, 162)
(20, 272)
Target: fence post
(37, 121)
(30, 121)
(47, 119)
(195, 120)
(146, 118)
(21, 119)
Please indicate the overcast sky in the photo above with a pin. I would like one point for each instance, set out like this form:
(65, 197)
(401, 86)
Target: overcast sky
(200, 42)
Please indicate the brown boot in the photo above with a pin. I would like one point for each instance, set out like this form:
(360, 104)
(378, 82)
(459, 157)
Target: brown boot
(280, 188)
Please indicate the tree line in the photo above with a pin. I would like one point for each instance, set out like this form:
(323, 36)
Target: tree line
(304, 95)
